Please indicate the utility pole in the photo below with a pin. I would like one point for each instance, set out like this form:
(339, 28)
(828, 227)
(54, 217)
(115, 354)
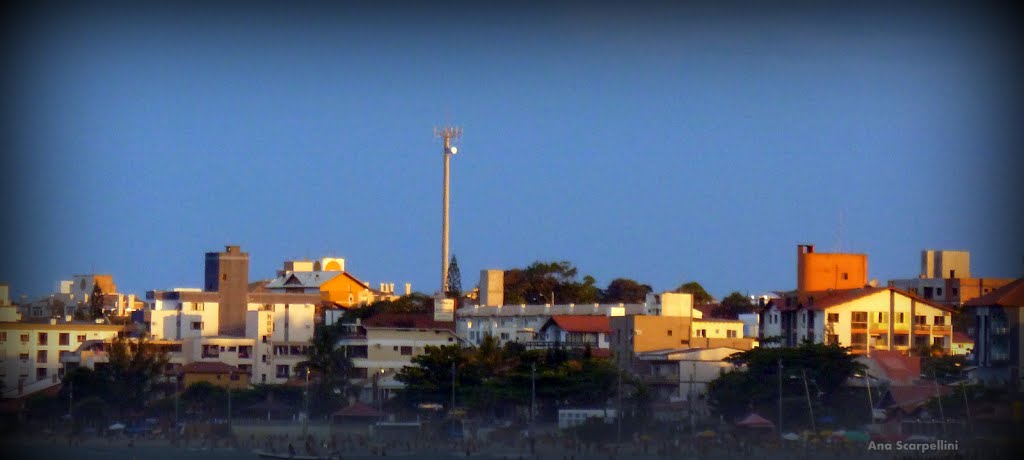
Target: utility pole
(690, 398)
(447, 133)
(618, 412)
(305, 405)
(780, 396)
(807, 391)
(533, 392)
(938, 396)
(453, 388)
(71, 400)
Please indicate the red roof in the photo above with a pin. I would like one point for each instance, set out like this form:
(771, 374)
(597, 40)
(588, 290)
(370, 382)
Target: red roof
(357, 410)
(898, 368)
(208, 367)
(756, 421)
(911, 398)
(1010, 295)
(821, 300)
(583, 323)
(407, 321)
(960, 337)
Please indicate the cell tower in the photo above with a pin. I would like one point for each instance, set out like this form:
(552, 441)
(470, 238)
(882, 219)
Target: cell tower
(447, 133)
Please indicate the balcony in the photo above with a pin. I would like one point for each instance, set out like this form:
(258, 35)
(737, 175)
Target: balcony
(859, 326)
(922, 329)
(672, 379)
(535, 344)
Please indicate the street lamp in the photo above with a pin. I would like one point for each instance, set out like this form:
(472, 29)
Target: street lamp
(378, 390)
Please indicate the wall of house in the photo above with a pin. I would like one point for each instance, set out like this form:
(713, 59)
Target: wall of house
(345, 291)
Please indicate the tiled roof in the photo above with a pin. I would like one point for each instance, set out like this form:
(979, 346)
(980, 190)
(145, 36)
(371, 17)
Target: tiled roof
(208, 367)
(960, 337)
(544, 310)
(911, 398)
(898, 368)
(583, 323)
(406, 321)
(821, 300)
(357, 410)
(302, 279)
(1010, 295)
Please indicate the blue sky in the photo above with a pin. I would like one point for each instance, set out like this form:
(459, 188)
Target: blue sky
(665, 145)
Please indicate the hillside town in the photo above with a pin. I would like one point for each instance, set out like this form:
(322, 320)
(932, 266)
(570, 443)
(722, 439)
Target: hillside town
(523, 356)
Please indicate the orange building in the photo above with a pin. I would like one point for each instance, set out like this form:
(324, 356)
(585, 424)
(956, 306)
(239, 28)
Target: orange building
(824, 271)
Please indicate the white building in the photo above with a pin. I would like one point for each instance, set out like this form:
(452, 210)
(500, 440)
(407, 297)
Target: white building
(31, 351)
(682, 374)
(863, 319)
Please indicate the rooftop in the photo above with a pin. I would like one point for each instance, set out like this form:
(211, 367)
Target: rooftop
(1011, 295)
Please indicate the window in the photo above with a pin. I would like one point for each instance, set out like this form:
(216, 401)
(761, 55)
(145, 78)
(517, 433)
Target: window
(244, 351)
(40, 373)
(232, 349)
(901, 340)
(197, 325)
(406, 351)
(80, 338)
(504, 336)
(23, 356)
(900, 318)
(41, 356)
(927, 292)
(263, 377)
(846, 276)
(860, 316)
(920, 319)
(24, 338)
(730, 334)
(833, 317)
(669, 332)
(211, 351)
(832, 339)
(224, 277)
(702, 332)
(64, 339)
(955, 291)
(3, 336)
(44, 338)
(247, 368)
(282, 371)
(198, 307)
(940, 320)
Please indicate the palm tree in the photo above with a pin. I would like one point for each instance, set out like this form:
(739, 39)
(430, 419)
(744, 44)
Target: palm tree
(329, 364)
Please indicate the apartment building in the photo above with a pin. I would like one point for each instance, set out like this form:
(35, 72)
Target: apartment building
(31, 351)
(945, 278)
(381, 345)
(999, 336)
(863, 319)
(682, 374)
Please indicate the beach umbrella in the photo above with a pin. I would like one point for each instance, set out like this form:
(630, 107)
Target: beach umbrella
(791, 437)
(116, 426)
(857, 436)
(706, 434)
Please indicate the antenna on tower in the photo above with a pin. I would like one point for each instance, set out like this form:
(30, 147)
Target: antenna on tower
(839, 244)
(447, 133)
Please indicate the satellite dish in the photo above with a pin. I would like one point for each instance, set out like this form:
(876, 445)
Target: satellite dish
(453, 150)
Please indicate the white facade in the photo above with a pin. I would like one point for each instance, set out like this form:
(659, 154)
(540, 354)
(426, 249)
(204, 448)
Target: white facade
(30, 352)
(522, 323)
(863, 322)
(181, 320)
(688, 370)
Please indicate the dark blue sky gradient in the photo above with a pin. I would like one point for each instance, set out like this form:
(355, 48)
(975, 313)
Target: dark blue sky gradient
(666, 145)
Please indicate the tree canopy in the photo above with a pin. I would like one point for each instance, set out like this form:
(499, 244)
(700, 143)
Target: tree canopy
(700, 296)
(549, 282)
(755, 382)
(734, 304)
(624, 290)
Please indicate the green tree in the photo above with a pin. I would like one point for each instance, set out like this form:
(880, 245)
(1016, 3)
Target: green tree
(205, 399)
(733, 305)
(330, 365)
(132, 372)
(624, 290)
(549, 282)
(700, 296)
(454, 288)
(96, 302)
(754, 382)
(412, 303)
